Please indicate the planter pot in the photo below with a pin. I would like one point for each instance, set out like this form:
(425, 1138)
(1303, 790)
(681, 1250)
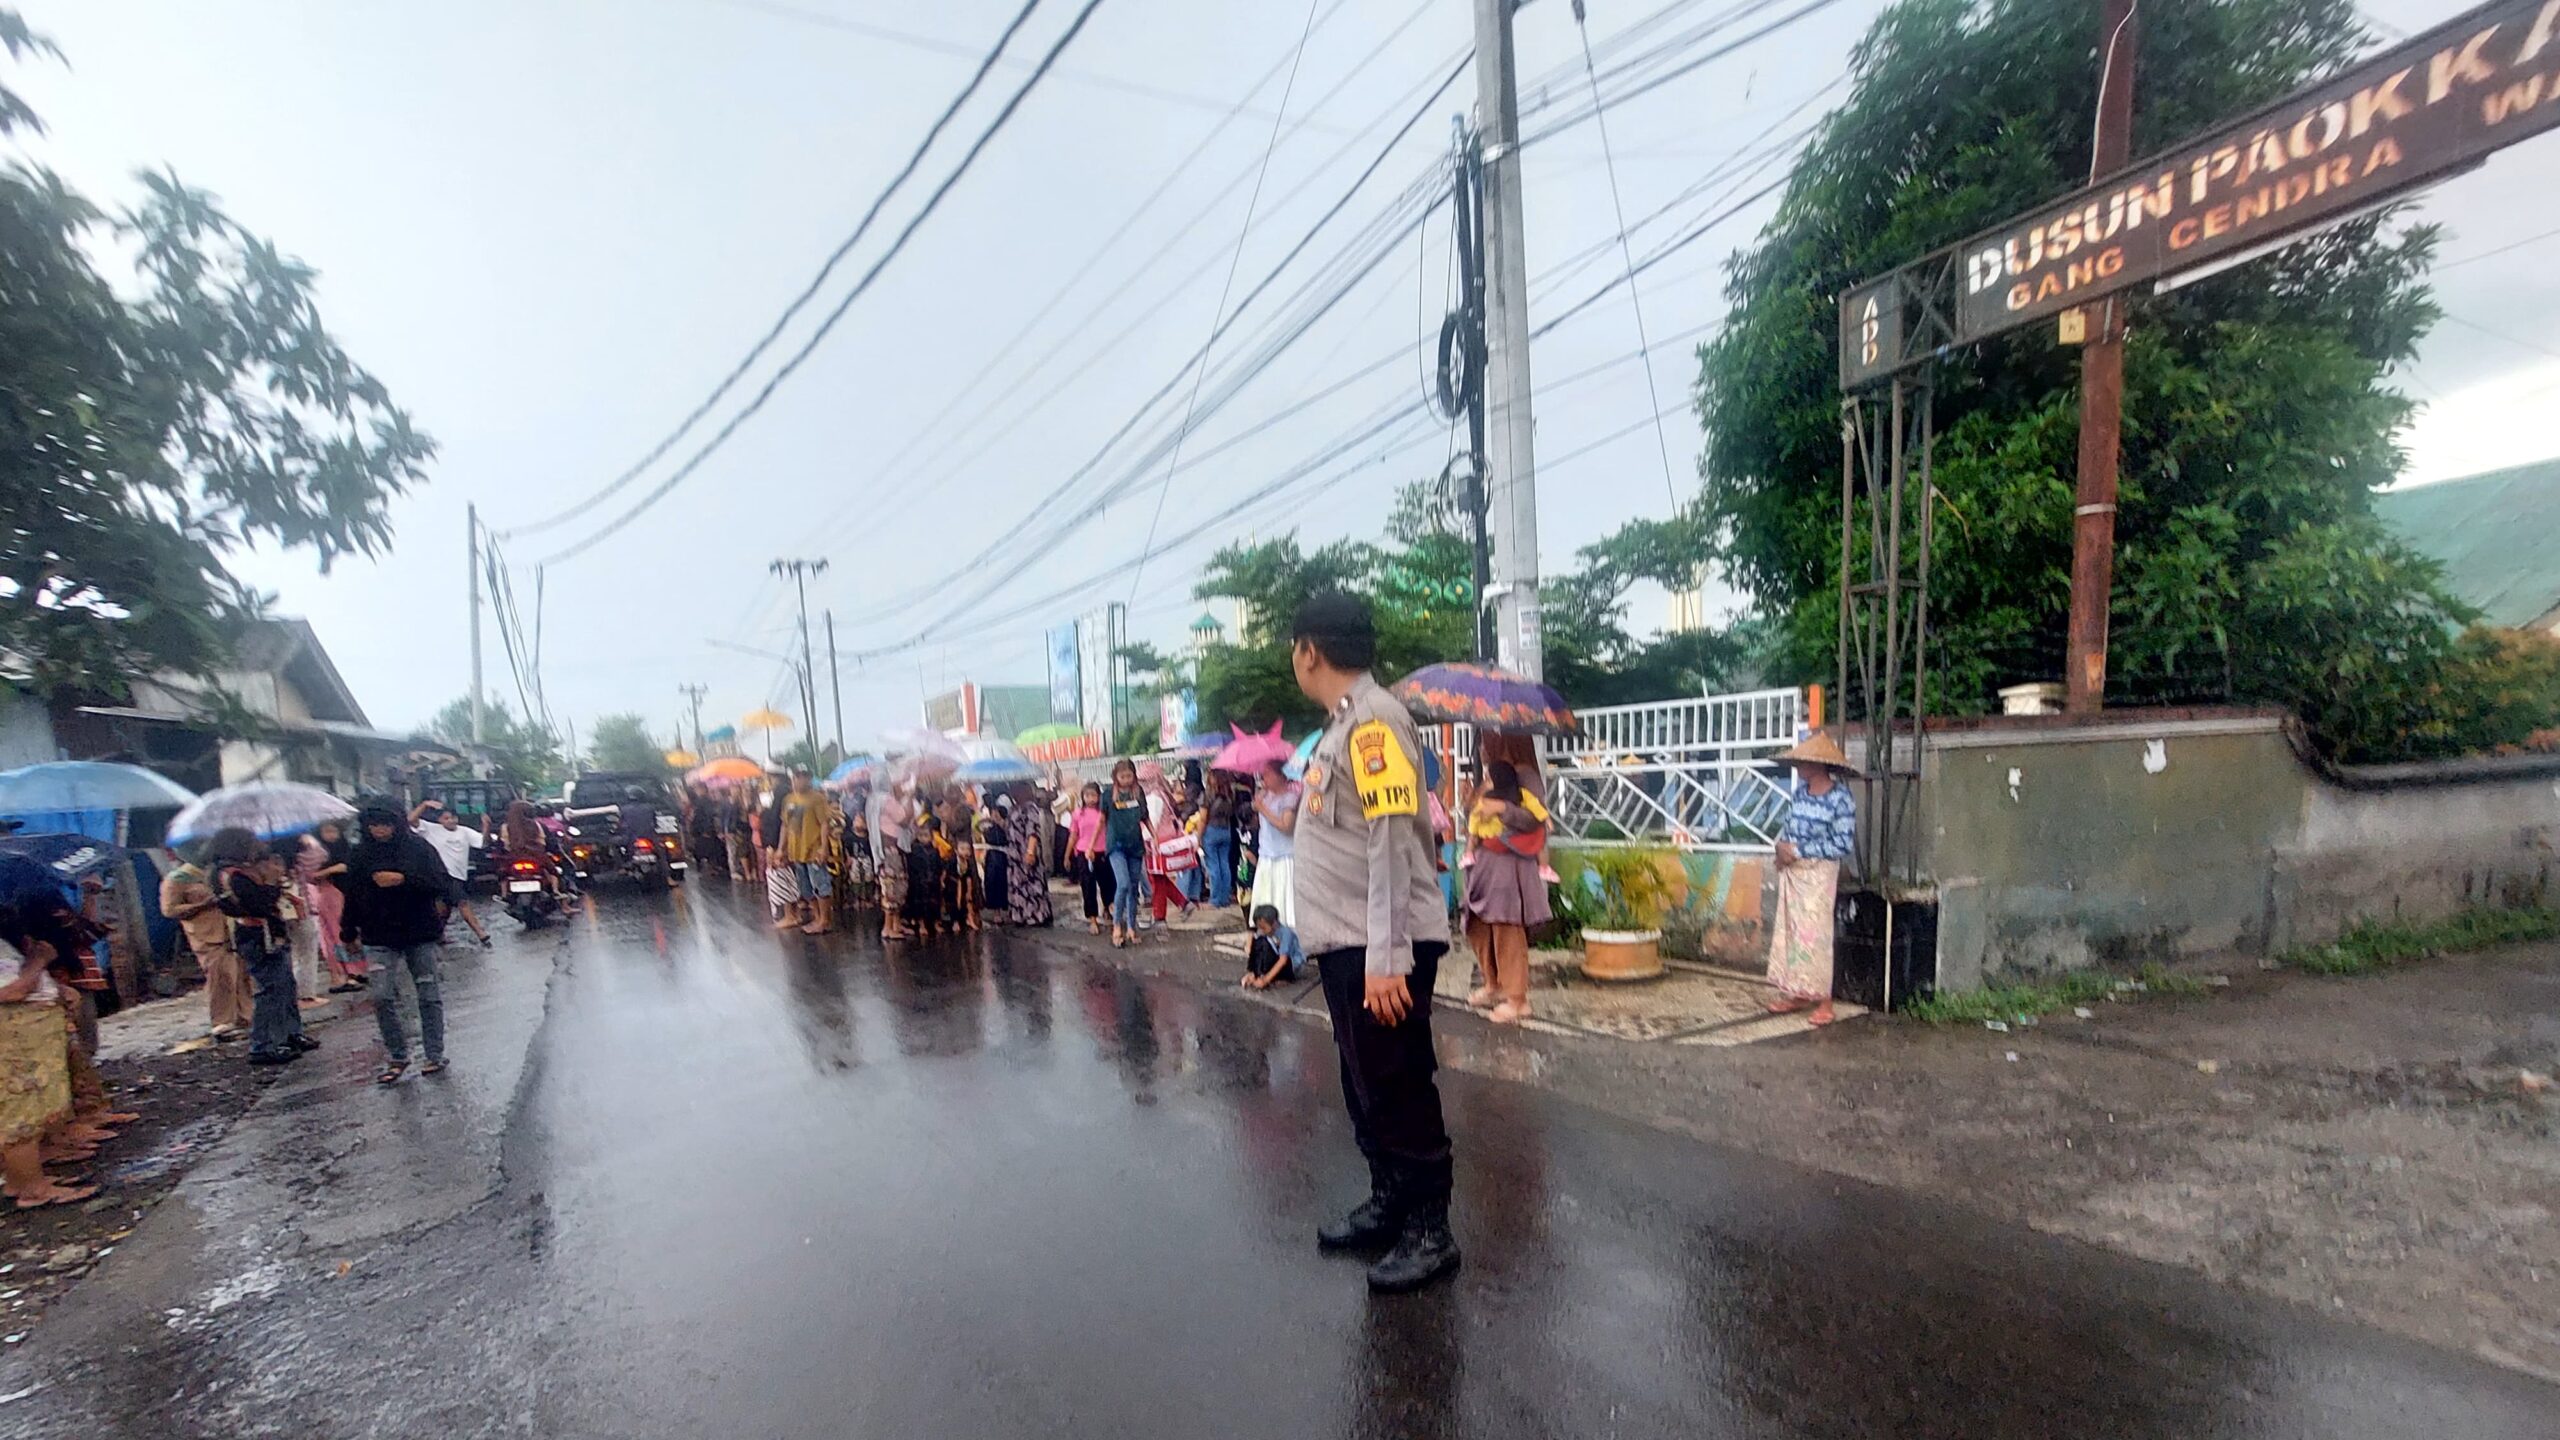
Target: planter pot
(1622, 954)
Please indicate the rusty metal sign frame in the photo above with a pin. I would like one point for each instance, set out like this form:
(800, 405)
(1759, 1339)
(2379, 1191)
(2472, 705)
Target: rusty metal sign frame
(1886, 446)
(2432, 106)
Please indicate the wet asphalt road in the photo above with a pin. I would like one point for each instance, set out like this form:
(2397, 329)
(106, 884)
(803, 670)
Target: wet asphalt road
(743, 1185)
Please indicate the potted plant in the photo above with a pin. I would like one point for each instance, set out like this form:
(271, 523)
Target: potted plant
(1622, 940)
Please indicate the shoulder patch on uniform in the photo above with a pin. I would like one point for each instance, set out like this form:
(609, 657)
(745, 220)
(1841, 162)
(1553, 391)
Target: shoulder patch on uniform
(1383, 772)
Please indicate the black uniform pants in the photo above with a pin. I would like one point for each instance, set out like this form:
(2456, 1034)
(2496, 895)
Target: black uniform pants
(1386, 1075)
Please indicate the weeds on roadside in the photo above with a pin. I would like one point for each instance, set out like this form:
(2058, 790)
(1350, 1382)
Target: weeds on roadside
(2371, 945)
(2046, 997)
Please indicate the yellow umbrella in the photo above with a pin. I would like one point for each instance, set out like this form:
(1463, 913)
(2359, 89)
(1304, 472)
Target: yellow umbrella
(682, 759)
(767, 721)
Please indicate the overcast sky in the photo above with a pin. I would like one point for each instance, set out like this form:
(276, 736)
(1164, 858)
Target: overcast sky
(551, 226)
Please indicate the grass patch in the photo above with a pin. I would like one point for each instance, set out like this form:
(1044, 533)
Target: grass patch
(2047, 997)
(2371, 945)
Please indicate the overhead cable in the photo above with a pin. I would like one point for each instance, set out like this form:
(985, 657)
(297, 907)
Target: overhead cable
(1235, 262)
(827, 326)
(800, 301)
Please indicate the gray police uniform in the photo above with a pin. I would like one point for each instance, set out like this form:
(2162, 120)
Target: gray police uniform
(1367, 894)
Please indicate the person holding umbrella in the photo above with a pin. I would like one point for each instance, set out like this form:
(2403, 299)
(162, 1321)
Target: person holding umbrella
(1821, 831)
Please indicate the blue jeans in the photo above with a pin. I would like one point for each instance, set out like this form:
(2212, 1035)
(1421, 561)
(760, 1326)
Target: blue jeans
(1129, 872)
(1218, 851)
(422, 963)
(275, 1014)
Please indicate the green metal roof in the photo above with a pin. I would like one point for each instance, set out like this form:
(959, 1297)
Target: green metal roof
(2498, 535)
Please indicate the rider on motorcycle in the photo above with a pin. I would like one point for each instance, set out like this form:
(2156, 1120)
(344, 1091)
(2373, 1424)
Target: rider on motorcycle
(522, 836)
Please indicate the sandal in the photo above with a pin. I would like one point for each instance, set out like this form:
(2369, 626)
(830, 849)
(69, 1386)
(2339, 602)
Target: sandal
(435, 1067)
(56, 1193)
(392, 1072)
(1508, 1013)
(1482, 998)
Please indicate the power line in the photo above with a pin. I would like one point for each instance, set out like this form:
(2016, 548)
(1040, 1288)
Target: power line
(827, 326)
(1023, 413)
(816, 283)
(1235, 262)
(1040, 511)
(937, 45)
(1105, 250)
(1635, 296)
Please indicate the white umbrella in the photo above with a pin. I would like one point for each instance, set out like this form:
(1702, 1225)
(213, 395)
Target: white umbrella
(265, 808)
(994, 762)
(922, 743)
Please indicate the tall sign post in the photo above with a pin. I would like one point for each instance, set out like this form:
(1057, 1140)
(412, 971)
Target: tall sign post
(2431, 106)
(1510, 448)
(2093, 515)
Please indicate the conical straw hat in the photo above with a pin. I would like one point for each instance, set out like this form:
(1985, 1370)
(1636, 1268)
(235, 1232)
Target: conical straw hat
(1818, 748)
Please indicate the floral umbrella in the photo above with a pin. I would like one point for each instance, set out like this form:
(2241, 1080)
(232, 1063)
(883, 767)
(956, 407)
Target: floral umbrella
(1487, 697)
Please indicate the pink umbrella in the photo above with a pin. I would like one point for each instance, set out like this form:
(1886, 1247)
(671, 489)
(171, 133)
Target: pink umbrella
(1246, 754)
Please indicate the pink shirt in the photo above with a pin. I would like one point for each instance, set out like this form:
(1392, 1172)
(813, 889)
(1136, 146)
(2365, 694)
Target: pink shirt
(1084, 831)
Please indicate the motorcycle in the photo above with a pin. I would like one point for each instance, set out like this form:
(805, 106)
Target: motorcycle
(529, 886)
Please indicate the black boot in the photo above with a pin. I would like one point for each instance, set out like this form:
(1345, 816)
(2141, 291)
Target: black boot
(1373, 1223)
(1424, 1252)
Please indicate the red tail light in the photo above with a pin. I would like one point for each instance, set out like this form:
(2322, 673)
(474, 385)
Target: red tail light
(525, 867)
(643, 843)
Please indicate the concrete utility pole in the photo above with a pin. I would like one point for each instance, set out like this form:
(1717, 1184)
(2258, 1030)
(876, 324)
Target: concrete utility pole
(695, 693)
(835, 683)
(2093, 517)
(800, 571)
(471, 519)
(1510, 448)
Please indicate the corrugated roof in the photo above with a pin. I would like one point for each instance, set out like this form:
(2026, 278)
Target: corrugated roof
(2495, 534)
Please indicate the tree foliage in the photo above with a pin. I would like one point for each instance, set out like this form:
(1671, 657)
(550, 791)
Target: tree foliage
(2258, 410)
(527, 751)
(1420, 582)
(148, 433)
(622, 743)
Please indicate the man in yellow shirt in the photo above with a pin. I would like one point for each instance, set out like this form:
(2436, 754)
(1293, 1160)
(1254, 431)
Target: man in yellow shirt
(804, 849)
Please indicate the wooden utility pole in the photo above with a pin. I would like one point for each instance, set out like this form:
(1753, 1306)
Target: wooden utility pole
(2093, 517)
(471, 551)
(835, 683)
(694, 693)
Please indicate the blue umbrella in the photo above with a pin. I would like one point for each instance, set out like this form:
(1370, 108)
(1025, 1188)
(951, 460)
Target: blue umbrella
(1296, 769)
(853, 767)
(87, 785)
(997, 770)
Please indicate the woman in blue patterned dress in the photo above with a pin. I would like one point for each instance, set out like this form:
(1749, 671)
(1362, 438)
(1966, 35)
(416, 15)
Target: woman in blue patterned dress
(1822, 830)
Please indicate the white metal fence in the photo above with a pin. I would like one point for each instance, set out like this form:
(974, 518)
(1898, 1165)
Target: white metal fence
(1691, 773)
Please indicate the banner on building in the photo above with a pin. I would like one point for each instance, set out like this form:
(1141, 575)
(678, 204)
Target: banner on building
(1066, 689)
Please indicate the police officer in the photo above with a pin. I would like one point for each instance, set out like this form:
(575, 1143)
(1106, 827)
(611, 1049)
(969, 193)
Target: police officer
(1369, 912)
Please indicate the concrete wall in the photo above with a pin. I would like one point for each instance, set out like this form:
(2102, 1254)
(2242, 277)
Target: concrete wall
(2416, 842)
(2055, 844)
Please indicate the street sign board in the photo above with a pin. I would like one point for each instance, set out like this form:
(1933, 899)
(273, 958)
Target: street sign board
(2431, 105)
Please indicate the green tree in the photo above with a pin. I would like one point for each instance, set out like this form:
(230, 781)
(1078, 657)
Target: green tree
(2258, 413)
(153, 431)
(527, 751)
(623, 743)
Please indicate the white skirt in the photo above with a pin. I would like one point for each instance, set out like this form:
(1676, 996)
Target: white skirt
(1271, 887)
